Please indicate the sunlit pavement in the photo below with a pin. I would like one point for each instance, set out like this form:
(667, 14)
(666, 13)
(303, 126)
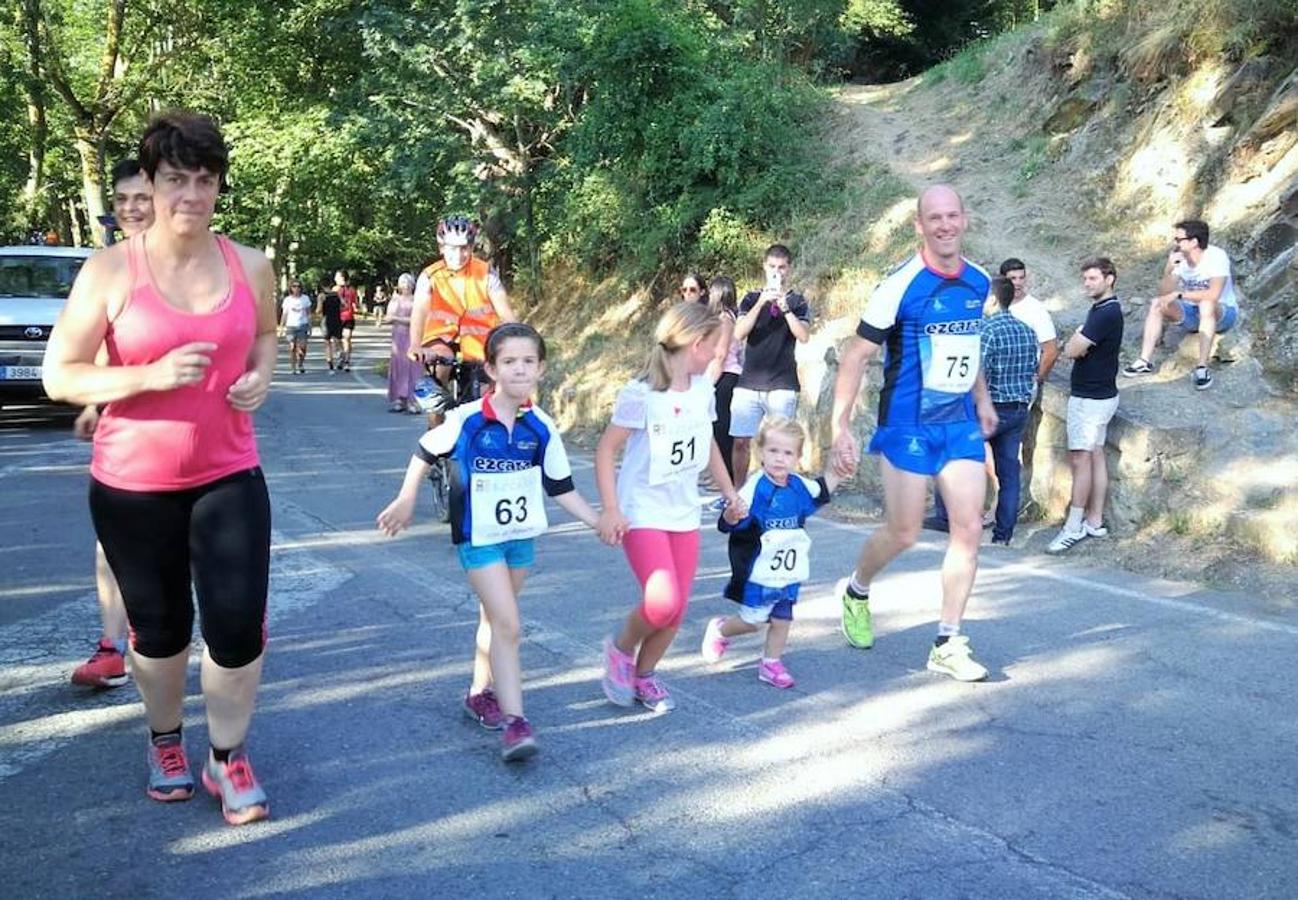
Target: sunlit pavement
(1136, 738)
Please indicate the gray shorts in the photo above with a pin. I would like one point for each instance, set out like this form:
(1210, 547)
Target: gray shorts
(299, 333)
(748, 407)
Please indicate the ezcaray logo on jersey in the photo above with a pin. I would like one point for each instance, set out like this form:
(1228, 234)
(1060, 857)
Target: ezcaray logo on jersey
(961, 326)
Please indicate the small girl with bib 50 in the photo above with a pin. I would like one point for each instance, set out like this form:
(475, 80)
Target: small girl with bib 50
(769, 548)
(504, 455)
(664, 420)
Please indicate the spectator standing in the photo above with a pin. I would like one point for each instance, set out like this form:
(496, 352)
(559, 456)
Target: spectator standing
(1010, 359)
(1092, 403)
(403, 372)
(727, 365)
(1028, 309)
(771, 323)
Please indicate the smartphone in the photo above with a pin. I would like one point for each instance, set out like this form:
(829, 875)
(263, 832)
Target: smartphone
(773, 281)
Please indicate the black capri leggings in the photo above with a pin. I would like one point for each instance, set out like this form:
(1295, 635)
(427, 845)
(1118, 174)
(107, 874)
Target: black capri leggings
(721, 427)
(216, 538)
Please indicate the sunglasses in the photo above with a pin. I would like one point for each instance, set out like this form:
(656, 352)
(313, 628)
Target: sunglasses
(689, 289)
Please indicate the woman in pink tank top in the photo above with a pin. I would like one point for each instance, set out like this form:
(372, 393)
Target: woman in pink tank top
(176, 491)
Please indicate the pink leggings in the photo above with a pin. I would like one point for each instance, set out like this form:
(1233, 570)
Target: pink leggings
(664, 562)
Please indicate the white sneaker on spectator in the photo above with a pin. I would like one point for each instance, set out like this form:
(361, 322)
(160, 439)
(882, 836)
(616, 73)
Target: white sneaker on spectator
(1100, 530)
(1066, 540)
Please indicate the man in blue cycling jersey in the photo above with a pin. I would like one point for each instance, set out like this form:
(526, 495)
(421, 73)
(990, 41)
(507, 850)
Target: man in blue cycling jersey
(934, 412)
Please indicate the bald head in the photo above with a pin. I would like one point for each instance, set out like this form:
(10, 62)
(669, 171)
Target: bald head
(940, 222)
(938, 195)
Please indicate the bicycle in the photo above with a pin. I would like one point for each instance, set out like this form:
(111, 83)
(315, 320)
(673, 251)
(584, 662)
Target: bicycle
(465, 384)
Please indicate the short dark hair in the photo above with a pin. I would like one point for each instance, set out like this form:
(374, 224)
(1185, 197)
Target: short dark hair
(124, 169)
(186, 140)
(1104, 264)
(778, 251)
(1195, 228)
(1003, 291)
(1013, 264)
(504, 332)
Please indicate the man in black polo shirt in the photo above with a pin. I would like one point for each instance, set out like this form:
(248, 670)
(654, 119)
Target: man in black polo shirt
(1092, 401)
(772, 322)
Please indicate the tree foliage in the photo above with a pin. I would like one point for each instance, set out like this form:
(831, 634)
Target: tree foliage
(628, 135)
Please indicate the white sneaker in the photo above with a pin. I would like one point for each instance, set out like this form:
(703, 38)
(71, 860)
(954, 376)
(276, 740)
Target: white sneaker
(1066, 540)
(1094, 530)
(955, 658)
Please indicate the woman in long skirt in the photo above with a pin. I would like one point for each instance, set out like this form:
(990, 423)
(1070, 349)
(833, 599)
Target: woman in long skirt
(402, 372)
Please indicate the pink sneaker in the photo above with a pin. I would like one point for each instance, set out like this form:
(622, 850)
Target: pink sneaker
(484, 709)
(715, 644)
(773, 673)
(653, 694)
(517, 743)
(619, 669)
(106, 669)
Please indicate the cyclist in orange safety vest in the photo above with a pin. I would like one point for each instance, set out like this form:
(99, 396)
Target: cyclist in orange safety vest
(458, 300)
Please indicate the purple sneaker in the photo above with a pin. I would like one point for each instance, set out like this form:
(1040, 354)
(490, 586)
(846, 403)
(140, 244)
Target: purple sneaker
(715, 644)
(653, 694)
(484, 709)
(517, 743)
(773, 673)
(619, 669)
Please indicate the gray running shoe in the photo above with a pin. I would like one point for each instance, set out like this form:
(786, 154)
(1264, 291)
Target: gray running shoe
(169, 778)
(235, 785)
(1202, 378)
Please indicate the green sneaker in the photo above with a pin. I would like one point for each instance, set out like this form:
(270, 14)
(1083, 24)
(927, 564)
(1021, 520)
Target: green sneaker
(858, 625)
(955, 658)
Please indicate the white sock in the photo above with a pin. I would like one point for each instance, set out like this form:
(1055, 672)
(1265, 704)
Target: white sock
(945, 629)
(1074, 523)
(857, 587)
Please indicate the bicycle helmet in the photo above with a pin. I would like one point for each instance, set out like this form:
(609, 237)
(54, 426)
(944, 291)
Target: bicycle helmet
(458, 231)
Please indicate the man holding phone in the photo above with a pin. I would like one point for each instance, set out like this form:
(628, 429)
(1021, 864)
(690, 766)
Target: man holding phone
(772, 322)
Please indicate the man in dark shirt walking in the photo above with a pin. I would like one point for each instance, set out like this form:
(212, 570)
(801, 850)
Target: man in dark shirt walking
(771, 322)
(1092, 402)
(1010, 355)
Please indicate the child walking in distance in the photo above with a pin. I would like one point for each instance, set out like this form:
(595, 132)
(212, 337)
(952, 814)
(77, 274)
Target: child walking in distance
(504, 454)
(769, 548)
(663, 419)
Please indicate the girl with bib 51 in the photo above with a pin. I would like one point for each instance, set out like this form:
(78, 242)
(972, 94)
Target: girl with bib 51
(663, 419)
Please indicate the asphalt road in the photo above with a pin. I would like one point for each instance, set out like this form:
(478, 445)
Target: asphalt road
(1136, 738)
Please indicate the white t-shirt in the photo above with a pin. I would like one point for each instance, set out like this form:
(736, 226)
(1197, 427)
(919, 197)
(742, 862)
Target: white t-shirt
(1033, 313)
(297, 310)
(670, 443)
(1213, 264)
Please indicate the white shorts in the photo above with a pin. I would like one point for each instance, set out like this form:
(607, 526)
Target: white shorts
(748, 407)
(1088, 422)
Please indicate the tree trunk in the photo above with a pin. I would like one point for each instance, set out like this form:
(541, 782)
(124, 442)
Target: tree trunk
(39, 127)
(90, 147)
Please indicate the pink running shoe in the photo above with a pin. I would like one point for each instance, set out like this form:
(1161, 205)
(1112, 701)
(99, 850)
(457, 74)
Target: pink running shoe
(517, 743)
(484, 709)
(619, 669)
(105, 669)
(715, 644)
(234, 784)
(773, 673)
(653, 694)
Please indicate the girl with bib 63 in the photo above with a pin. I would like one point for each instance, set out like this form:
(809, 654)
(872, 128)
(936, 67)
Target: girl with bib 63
(504, 456)
(663, 419)
(769, 548)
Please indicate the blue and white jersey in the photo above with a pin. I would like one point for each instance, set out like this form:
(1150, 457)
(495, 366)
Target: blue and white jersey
(769, 547)
(928, 324)
(498, 476)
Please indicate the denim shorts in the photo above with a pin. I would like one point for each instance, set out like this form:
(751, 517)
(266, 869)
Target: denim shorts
(1190, 317)
(759, 615)
(514, 554)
